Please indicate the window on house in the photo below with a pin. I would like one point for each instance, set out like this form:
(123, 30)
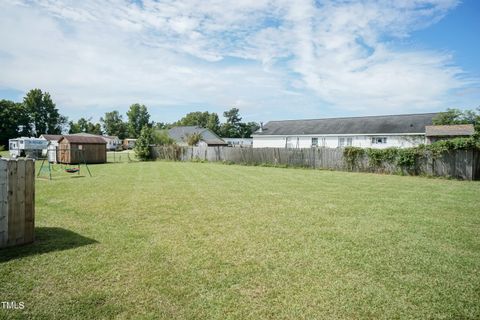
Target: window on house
(314, 142)
(341, 142)
(324, 143)
(379, 140)
(349, 141)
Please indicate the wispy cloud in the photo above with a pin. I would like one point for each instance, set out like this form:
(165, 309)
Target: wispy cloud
(265, 56)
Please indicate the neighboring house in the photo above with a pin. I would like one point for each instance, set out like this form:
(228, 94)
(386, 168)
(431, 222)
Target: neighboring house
(113, 142)
(51, 151)
(129, 143)
(400, 131)
(207, 137)
(239, 142)
(444, 132)
(75, 149)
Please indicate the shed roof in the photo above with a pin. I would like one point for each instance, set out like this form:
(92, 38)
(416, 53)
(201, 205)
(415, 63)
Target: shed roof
(405, 123)
(450, 130)
(51, 137)
(83, 139)
(179, 134)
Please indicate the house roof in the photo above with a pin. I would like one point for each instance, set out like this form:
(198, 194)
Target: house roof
(406, 123)
(209, 137)
(84, 139)
(51, 137)
(111, 137)
(450, 130)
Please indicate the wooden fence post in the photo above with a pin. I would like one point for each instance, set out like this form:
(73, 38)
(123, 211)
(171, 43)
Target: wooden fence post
(17, 202)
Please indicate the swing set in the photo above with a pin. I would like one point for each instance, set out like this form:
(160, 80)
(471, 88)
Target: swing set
(48, 166)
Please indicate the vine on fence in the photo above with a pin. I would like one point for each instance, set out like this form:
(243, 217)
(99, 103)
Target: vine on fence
(351, 155)
(407, 158)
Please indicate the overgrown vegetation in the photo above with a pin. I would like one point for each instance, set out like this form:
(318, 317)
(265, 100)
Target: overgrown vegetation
(352, 155)
(406, 158)
(193, 139)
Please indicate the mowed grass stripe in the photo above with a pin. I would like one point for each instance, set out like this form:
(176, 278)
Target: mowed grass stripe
(193, 240)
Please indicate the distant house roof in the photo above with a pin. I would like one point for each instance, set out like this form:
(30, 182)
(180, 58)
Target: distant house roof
(179, 134)
(407, 123)
(111, 137)
(51, 137)
(450, 130)
(84, 139)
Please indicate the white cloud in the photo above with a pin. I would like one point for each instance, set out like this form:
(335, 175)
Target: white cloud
(269, 57)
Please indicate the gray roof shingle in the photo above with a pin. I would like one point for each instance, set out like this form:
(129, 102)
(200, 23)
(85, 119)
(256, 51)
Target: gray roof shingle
(407, 123)
(179, 134)
(450, 130)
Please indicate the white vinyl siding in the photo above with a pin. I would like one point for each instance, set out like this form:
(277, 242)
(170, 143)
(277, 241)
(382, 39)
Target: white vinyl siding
(362, 141)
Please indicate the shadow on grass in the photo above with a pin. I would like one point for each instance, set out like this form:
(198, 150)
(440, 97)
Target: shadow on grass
(46, 240)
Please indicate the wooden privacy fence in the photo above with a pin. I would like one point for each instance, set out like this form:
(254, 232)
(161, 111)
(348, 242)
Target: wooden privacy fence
(17, 201)
(460, 164)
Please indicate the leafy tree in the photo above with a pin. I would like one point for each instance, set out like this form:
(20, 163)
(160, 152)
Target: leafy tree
(14, 122)
(142, 145)
(85, 126)
(162, 138)
(213, 122)
(138, 117)
(232, 127)
(201, 119)
(233, 116)
(457, 116)
(246, 129)
(113, 124)
(193, 139)
(162, 126)
(44, 115)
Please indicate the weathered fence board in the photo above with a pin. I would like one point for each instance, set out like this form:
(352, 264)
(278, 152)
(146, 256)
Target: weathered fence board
(461, 164)
(17, 202)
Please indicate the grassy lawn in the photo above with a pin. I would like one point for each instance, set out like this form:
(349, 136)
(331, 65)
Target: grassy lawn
(211, 241)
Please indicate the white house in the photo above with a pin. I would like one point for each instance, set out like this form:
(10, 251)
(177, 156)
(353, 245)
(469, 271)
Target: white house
(113, 142)
(239, 142)
(400, 131)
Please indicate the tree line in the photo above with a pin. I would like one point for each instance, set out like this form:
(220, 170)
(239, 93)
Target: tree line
(37, 114)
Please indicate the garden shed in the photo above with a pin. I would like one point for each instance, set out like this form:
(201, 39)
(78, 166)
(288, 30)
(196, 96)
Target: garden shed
(73, 149)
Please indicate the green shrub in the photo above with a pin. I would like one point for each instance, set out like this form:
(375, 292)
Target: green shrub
(351, 155)
(407, 158)
(144, 141)
(2, 148)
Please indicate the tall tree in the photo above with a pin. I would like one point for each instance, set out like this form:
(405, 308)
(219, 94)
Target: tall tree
(44, 115)
(246, 129)
(231, 129)
(457, 116)
(113, 124)
(138, 117)
(85, 126)
(14, 122)
(233, 116)
(213, 123)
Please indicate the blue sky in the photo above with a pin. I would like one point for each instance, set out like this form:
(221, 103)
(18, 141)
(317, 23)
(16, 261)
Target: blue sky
(272, 59)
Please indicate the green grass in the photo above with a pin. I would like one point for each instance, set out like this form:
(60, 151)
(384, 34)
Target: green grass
(209, 241)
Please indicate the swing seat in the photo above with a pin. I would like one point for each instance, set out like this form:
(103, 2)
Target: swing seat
(72, 170)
